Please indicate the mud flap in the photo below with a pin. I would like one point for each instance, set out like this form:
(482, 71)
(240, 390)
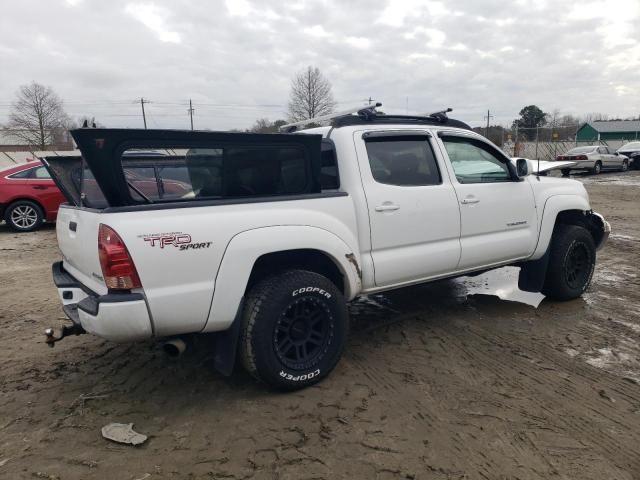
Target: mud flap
(532, 274)
(226, 345)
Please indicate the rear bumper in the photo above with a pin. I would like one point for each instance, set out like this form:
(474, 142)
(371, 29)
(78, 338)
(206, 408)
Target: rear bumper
(121, 317)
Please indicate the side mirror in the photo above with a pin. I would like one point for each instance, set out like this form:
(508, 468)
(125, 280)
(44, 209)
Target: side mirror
(522, 167)
(617, 154)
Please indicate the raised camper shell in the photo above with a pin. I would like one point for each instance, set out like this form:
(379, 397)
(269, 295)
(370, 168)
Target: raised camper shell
(190, 298)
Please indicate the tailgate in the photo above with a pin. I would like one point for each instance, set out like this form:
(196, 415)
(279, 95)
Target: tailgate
(76, 226)
(77, 232)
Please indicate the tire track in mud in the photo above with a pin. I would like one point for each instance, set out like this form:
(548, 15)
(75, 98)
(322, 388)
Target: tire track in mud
(523, 366)
(561, 413)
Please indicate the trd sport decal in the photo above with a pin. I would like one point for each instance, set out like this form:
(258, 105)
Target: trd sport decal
(179, 240)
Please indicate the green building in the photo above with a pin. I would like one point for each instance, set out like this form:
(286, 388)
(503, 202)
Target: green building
(617, 130)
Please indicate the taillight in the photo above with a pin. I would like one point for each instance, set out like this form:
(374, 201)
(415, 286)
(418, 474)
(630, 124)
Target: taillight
(560, 157)
(582, 157)
(118, 269)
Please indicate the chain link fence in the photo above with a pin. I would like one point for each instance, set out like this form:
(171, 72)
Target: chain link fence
(546, 143)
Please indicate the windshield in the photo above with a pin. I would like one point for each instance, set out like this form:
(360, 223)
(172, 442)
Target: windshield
(630, 146)
(582, 150)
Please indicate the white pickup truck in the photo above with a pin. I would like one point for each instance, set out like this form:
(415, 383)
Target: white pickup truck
(262, 239)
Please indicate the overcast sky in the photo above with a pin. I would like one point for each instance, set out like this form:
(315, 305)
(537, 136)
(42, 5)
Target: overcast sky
(576, 56)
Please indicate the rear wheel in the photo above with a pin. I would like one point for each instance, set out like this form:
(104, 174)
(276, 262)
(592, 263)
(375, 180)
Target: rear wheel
(572, 260)
(24, 216)
(597, 168)
(565, 172)
(294, 329)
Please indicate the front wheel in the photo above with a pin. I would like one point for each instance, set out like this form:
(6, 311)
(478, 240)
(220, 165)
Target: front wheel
(24, 216)
(565, 172)
(597, 168)
(572, 260)
(294, 329)
(625, 166)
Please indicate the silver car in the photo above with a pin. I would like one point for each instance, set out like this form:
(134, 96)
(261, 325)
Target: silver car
(594, 159)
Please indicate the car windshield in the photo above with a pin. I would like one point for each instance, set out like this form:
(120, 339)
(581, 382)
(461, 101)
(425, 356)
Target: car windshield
(581, 150)
(630, 146)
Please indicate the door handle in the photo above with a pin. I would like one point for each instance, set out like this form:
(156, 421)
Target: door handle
(469, 200)
(73, 226)
(39, 187)
(387, 207)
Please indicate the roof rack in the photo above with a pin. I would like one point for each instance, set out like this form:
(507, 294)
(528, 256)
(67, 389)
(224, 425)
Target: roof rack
(369, 115)
(366, 111)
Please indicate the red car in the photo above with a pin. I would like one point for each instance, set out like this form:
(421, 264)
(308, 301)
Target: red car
(28, 196)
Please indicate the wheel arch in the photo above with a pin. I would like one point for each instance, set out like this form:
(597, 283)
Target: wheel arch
(559, 208)
(569, 210)
(23, 198)
(7, 206)
(309, 259)
(251, 255)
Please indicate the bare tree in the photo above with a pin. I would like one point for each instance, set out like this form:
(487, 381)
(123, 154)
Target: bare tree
(264, 125)
(310, 95)
(36, 114)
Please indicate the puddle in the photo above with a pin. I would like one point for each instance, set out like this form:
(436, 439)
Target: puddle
(615, 181)
(624, 238)
(502, 283)
(606, 357)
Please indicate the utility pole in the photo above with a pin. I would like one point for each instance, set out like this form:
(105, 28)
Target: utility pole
(191, 113)
(489, 116)
(144, 117)
(537, 128)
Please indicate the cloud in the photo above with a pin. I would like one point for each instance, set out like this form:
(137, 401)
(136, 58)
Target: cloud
(154, 18)
(235, 59)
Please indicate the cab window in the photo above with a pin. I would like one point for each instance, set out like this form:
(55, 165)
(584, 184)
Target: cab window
(474, 161)
(402, 160)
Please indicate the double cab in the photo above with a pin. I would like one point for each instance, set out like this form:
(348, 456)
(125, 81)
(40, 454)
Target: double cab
(269, 236)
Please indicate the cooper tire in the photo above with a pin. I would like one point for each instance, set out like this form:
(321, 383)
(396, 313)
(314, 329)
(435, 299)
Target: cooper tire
(294, 329)
(24, 216)
(572, 260)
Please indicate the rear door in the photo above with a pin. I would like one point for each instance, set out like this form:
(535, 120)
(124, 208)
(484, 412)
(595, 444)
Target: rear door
(45, 189)
(413, 210)
(603, 155)
(497, 210)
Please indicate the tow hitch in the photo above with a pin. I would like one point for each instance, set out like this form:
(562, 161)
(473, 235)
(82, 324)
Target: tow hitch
(65, 331)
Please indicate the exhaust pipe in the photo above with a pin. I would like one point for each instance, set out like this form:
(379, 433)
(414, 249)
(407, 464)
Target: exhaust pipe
(174, 347)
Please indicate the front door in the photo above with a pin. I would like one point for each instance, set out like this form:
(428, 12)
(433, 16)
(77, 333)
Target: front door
(413, 210)
(498, 215)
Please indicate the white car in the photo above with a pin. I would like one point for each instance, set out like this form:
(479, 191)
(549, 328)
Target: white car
(282, 230)
(594, 159)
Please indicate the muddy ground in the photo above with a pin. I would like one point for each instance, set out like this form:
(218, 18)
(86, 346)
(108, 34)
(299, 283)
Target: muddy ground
(436, 382)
